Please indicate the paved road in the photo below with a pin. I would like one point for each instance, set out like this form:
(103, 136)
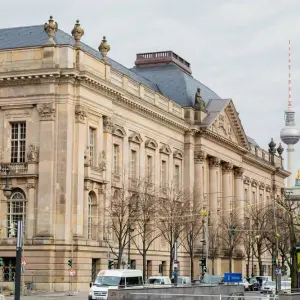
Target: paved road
(84, 296)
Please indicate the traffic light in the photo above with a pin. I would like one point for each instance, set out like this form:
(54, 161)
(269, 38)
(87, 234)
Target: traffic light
(203, 262)
(110, 264)
(70, 263)
(232, 230)
(1, 262)
(273, 261)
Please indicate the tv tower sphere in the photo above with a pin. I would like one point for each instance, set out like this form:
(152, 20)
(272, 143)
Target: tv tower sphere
(290, 135)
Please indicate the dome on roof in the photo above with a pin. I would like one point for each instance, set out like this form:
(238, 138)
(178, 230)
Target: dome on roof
(290, 135)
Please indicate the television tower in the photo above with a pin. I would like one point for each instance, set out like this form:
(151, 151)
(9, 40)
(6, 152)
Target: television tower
(290, 134)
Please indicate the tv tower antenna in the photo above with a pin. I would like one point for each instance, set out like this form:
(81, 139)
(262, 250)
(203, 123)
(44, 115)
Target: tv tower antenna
(290, 134)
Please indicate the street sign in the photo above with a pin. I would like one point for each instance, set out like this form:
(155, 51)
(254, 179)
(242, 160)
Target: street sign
(72, 272)
(23, 262)
(232, 277)
(277, 271)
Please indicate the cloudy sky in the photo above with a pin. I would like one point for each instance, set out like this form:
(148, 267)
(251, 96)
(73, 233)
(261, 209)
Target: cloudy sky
(238, 48)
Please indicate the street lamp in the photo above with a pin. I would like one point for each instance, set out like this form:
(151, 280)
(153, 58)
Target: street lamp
(7, 191)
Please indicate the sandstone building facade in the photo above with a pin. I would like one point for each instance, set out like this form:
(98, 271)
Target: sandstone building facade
(71, 122)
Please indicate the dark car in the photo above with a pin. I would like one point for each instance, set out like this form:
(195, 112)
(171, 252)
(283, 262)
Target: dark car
(253, 284)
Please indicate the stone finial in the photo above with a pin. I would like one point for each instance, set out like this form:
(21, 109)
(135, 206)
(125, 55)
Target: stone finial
(51, 28)
(272, 147)
(77, 33)
(280, 149)
(104, 48)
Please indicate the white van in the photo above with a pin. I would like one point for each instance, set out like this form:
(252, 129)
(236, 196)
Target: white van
(114, 279)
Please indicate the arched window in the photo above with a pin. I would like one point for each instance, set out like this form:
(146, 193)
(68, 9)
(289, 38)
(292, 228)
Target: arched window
(16, 210)
(90, 217)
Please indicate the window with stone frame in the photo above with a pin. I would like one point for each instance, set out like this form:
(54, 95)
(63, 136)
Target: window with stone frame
(92, 144)
(177, 177)
(149, 168)
(116, 158)
(18, 142)
(133, 164)
(16, 210)
(163, 172)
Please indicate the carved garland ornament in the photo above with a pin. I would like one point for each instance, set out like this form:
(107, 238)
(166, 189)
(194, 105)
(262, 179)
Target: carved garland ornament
(80, 113)
(200, 156)
(108, 124)
(247, 180)
(46, 111)
(33, 154)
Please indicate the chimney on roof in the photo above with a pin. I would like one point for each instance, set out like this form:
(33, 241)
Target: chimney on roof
(162, 58)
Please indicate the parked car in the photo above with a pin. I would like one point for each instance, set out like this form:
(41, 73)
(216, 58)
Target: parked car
(246, 284)
(253, 284)
(184, 280)
(212, 279)
(158, 280)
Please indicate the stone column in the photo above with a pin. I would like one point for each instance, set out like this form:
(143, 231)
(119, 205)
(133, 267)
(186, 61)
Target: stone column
(87, 189)
(30, 222)
(199, 159)
(78, 201)
(46, 196)
(227, 189)
(239, 193)
(214, 164)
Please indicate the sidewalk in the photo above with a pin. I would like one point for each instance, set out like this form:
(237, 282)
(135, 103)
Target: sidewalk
(51, 295)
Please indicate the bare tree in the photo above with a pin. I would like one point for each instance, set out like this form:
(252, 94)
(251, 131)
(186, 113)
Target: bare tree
(214, 242)
(247, 239)
(121, 212)
(193, 226)
(170, 218)
(146, 210)
(231, 235)
(259, 217)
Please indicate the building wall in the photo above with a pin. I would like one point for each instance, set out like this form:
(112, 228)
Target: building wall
(61, 94)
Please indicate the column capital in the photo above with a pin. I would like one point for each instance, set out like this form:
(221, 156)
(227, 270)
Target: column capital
(80, 114)
(238, 172)
(227, 167)
(199, 156)
(108, 124)
(31, 184)
(214, 162)
(47, 111)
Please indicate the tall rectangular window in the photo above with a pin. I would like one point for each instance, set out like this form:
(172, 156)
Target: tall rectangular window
(18, 141)
(92, 135)
(116, 154)
(177, 176)
(149, 168)
(163, 172)
(253, 198)
(133, 164)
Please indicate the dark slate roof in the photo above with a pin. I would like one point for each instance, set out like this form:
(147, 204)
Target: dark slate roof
(252, 141)
(33, 36)
(168, 80)
(176, 84)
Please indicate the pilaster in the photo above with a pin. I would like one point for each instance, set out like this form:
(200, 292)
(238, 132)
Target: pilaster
(189, 172)
(227, 198)
(78, 204)
(199, 159)
(214, 166)
(45, 203)
(31, 187)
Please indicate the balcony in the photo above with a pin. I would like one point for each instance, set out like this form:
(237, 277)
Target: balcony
(94, 173)
(14, 169)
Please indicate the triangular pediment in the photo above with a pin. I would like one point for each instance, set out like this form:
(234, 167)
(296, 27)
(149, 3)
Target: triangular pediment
(136, 138)
(119, 131)
(227, 124)
(165, 149)
(152, 144)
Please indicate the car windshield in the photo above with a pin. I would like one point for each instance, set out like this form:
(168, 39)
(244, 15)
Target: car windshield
(107, 280)
(253, 280)
(154, 280)
(270, 283)
(212, 279)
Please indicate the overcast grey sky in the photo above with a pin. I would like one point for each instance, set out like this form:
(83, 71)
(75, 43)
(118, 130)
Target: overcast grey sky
(237, 48)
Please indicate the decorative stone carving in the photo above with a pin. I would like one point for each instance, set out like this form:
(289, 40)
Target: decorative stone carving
(152, 144)
(178, 154)
(261, 186)
(80, 113)
(51, 28)
(247, 180)
(165, 149)
(46, 111)
(17, 114)
(77, 33)
(214, 162)
(33, 154)
(199, 156)
(268, 188)
(276, 188)
(31, 185)
(199, 102)
(238, 172)
(108, 124)
(102, 161)
(119, 131)
(87, 157)
(227, 167)
(87, 186)
(135, 138)
(254, 183)
(104, 48)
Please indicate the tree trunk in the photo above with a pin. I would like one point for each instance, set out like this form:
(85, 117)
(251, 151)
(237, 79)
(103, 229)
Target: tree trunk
(192, 264)
(171, 264)
(230, 262)
(213, 266)
(294, 269)
(144, 259)
(248, 266)
(260, 265)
